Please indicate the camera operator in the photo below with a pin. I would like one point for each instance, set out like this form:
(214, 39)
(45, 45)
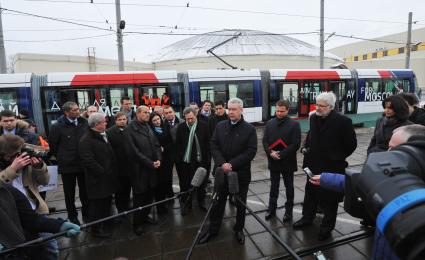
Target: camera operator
(405, 136)
(25, 173)
(20, 223)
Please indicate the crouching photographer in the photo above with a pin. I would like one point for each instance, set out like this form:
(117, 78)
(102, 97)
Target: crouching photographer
(390, 190)
(21, 166)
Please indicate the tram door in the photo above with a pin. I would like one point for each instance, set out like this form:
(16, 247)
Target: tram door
(338, 87)
(288, 91)
(307, 97)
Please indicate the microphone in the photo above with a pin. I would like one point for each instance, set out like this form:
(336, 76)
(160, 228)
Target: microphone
(232, 179)
(197, 180)
(199, 177)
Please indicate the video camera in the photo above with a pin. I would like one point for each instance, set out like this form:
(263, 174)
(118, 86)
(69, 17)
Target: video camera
(35, 150)
(390, 190)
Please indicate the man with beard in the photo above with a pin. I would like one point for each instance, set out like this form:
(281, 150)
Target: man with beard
(330, 141)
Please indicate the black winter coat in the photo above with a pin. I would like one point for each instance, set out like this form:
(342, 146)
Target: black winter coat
(99, 165)
(330, 141)
(382, 135)
(214, 120)
(64, 138)
(203, 135)
(237, 145)
(19, 222)
(144, 150)
(117, 138)
(289, 131)
(418, 116)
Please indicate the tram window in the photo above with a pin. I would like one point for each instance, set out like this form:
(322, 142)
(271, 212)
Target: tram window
(115, 96)
(373, 85)
(406, 85)
(244, 91)
(393, 86)
(8, 100)
(289, 91)
(51, 100)
(213, 92)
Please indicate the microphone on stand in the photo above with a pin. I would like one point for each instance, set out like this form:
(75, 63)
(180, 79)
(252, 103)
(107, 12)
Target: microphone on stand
(218, 185)
(232, 179)
(197, 180)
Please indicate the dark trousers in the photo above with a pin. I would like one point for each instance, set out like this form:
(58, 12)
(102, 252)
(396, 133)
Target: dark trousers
(122, 196)
(167, 168)
(288, 180)
(160, 191)
(69, 181)
(140, 200)
(100, 208)
(329, 205)
(186, 172)
(219, 206)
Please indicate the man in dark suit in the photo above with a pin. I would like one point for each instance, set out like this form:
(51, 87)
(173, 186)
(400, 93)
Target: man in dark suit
(220, 115)
(281, 140)
(9, 125)
(145, 151)
(99, 164)
(116, 136)
(233, 147)
(169, 157)
(64, 139)
(330, 141)
(192, 151)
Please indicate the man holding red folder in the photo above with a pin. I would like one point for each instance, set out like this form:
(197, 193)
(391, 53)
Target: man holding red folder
(281, 140)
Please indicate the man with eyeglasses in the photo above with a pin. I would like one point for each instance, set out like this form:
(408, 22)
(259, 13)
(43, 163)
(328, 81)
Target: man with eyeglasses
(330, 141)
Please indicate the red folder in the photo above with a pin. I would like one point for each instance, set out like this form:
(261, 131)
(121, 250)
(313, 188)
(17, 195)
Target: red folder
(279, 145)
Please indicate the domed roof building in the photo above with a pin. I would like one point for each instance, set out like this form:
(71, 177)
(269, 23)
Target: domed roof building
(243, 49)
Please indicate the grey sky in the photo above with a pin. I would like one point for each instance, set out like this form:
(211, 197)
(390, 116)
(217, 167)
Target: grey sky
(141, 17)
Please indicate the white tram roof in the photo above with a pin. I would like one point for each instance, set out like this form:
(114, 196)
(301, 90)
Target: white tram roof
(223, 75)
(15, 80)
(293, 74)
(112, 77)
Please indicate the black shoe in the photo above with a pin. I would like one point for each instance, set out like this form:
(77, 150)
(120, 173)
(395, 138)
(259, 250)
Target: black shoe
(206, 237)
(150, 220)
(138, 230)
(75, 221)
(240, 237)
(367, 223)
(301, 223)
(270, 214)
(324, 234)
(287, 217)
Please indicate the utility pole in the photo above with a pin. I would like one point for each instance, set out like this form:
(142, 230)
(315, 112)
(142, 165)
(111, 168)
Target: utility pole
(322, 33)
(3, 67)
(120, 26)
(409, 41)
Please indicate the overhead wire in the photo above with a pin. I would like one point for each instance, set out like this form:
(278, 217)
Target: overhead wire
(225, 10)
